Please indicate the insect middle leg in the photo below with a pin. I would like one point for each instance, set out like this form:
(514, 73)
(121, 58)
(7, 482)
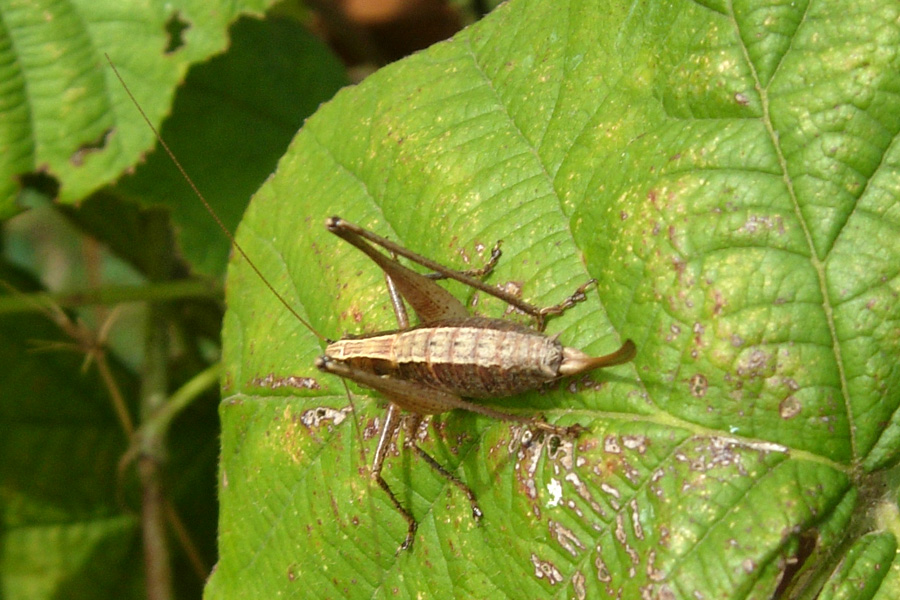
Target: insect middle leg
(392, 423)
(558, 309)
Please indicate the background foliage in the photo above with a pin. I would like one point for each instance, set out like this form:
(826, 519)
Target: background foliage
(726, 171)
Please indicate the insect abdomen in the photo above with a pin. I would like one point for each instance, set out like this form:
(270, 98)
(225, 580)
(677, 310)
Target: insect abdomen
(475, 357)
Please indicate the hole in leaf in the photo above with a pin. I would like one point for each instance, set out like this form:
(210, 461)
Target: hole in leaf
(175, 28)
(77, 158)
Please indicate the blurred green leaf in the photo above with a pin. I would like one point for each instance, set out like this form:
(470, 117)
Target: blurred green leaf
(63, 113)
(729, 175)
(57, 514)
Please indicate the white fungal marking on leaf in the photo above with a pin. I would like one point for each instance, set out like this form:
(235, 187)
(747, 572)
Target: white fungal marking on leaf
(275, 382)
(610, 490)
(766, 447)
(636, 519)
(602, 570)
(565, 453)
(622, 538)
(575, 508)
(566, 538)
(665, 537)
(578, 585)
(316, 417)
(585, 494)
(632, 474)
(554, 489)
(731, 443)
(529, 455)
(653, 574)
(636, 442)
(620, 529)
(545, 569)
(611, 445)
(789, 408)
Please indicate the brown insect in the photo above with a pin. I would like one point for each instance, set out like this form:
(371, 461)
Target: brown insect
(448, 359)
(451, 355)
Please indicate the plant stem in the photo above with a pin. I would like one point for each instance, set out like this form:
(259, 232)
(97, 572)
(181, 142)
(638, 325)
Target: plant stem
(153, 292)
(154, 387)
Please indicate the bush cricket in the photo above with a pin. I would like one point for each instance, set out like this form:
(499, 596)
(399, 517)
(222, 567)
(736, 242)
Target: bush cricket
(450, 358)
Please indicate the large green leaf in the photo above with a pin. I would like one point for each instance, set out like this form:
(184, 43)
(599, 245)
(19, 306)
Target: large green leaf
(728, 172)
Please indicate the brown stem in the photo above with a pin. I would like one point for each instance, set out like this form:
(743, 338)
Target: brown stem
(154, 388)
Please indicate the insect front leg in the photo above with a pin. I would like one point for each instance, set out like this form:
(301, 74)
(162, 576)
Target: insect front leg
(388, 432)
(558, 309)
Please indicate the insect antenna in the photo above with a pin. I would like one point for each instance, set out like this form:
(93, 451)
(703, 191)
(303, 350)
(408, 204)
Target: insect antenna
(209, 208)
(240, 249)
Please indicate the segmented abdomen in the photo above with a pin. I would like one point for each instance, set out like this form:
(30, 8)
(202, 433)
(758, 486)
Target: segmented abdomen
(474, 357)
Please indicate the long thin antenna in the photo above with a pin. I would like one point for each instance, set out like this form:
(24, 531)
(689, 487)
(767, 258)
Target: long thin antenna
(209, 208)
(230, 236)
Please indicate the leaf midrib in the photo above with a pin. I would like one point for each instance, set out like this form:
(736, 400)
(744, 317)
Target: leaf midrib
(817, 264)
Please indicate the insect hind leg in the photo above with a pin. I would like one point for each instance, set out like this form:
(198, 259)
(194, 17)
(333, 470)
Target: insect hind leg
(356, 234)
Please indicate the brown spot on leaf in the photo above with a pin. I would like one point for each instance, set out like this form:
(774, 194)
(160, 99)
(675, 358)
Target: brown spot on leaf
(698, 385)
(790, 407)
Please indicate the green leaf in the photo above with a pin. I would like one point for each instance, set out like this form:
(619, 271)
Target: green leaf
(864, 568)
(63, 114)
(729, 175)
